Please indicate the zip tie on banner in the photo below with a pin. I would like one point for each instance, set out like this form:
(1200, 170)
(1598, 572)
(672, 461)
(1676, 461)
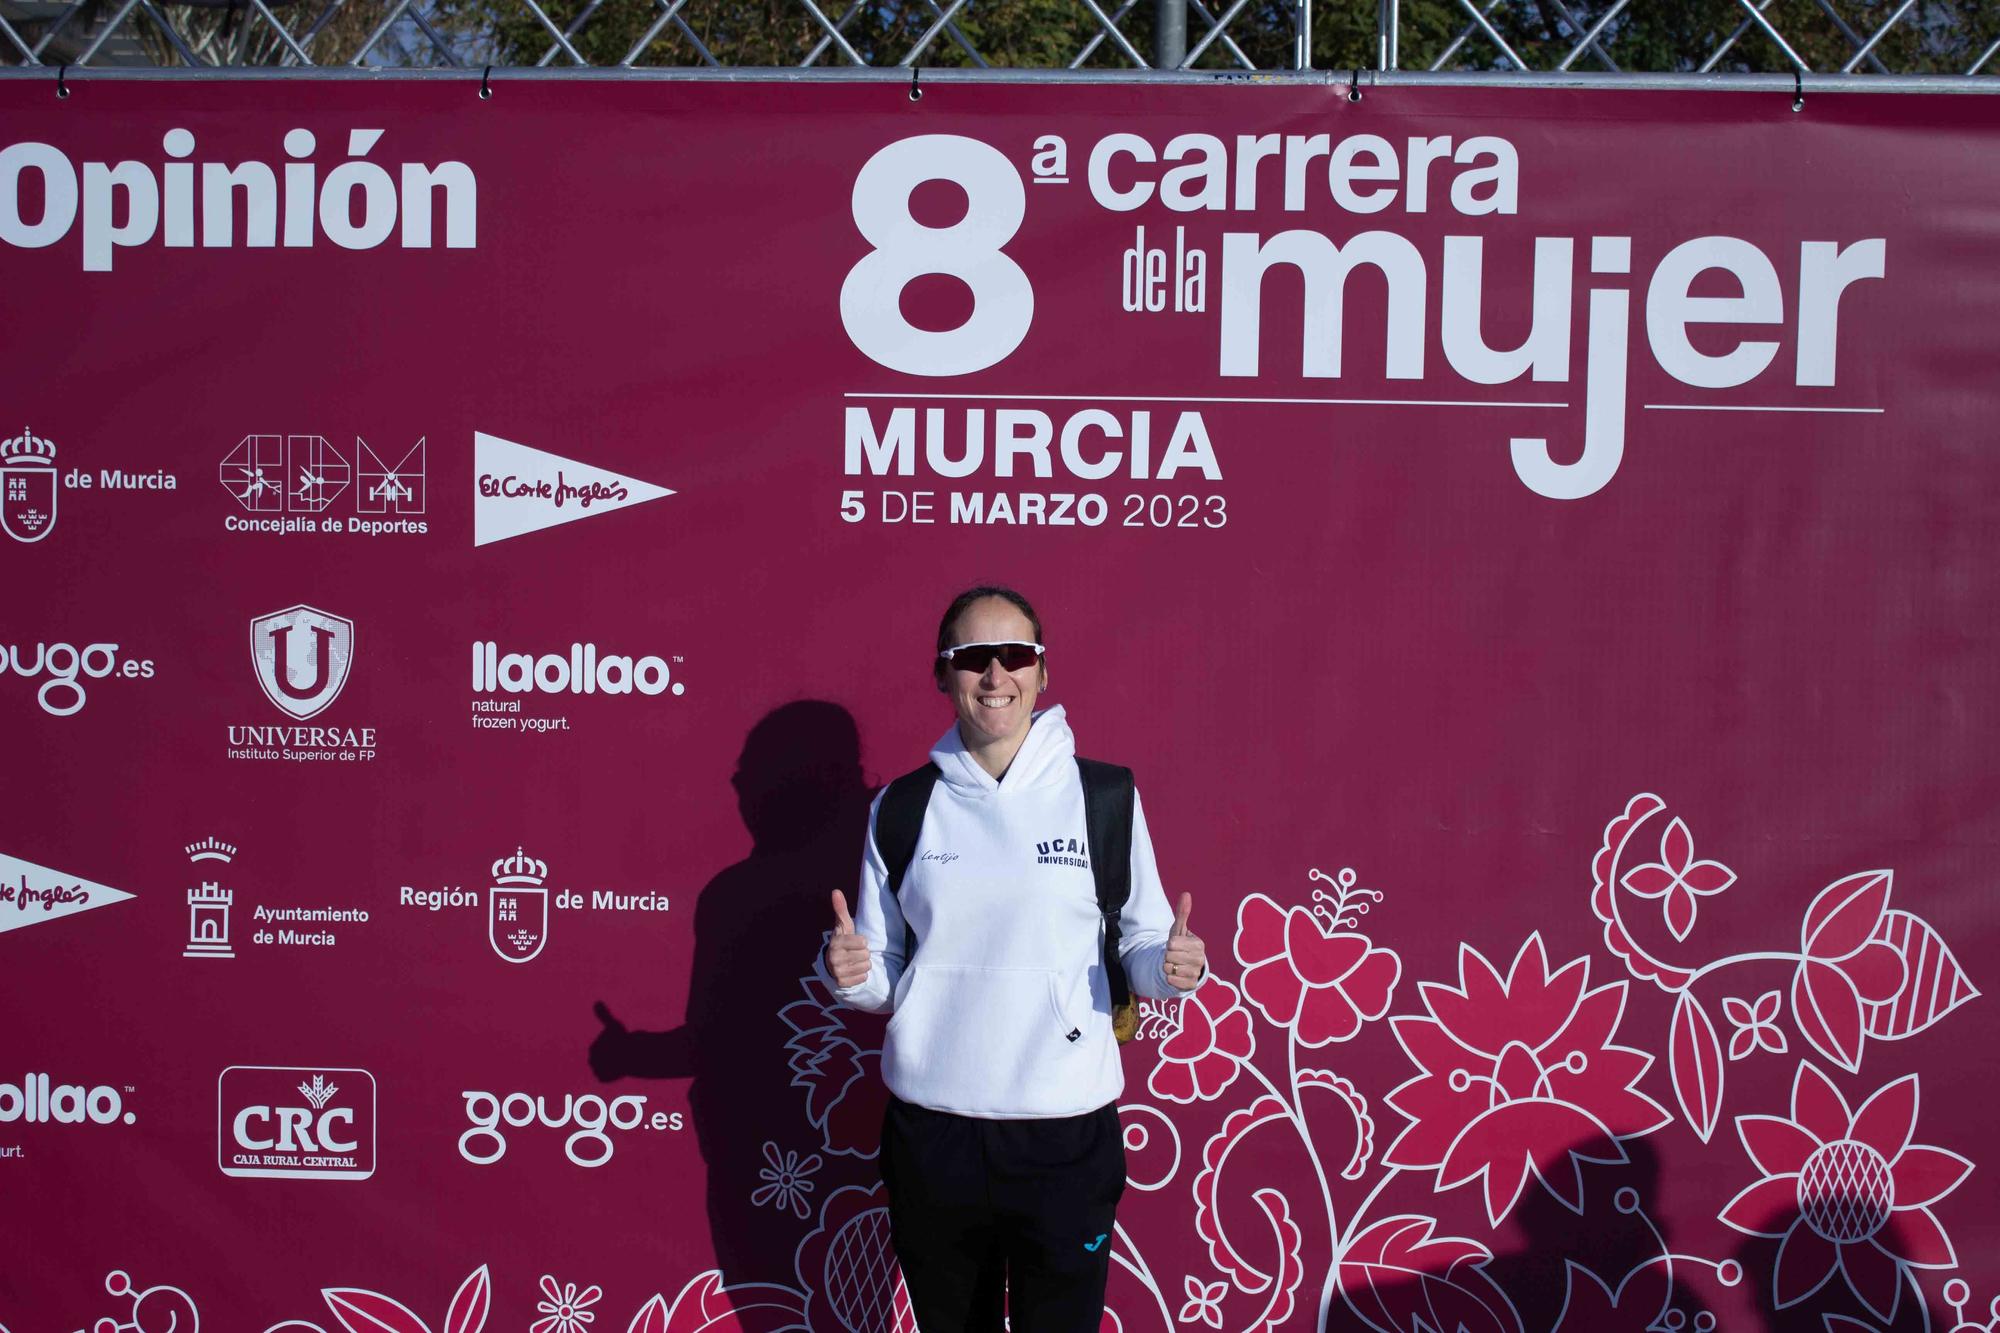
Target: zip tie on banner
(1354, 86)
(1798, 90)
(916, 92)
(62, 83)
(485, 88)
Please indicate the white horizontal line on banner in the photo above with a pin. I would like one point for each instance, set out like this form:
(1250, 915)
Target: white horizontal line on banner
(1164, 398)
(1732, 407)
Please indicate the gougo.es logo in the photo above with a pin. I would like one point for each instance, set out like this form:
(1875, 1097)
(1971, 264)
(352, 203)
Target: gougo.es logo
(590, 1118)
(66, 667)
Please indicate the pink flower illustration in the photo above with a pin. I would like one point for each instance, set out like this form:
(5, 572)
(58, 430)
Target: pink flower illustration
(1755, 1024)
(1206, 1053)
(1520, 1077)
(1843, 966)
(1302, 972)
(1204, 1302)
(1677, 879)
(1284, 1265)
(1846, 1193)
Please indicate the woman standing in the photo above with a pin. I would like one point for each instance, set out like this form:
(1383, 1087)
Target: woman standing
(1001, 1147)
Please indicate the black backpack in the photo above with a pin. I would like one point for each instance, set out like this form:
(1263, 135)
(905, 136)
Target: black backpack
(1108, 800)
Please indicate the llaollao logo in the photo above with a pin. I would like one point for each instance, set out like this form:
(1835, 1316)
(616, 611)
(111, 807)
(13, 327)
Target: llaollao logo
(39, 1100)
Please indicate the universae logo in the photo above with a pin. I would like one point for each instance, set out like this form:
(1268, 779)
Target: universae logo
(302, 656)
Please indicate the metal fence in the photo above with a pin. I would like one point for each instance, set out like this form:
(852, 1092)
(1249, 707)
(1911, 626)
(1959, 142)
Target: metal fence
(1870, 41)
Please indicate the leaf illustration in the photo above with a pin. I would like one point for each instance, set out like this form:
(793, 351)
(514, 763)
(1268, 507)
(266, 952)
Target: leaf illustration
(1933, 983)
(652, 1316)
(1694, 1060)
(469, 1306)
(704, 1305)
(1827, 1009)
(1844, 915)
(371, 1312)
(1398, 1279)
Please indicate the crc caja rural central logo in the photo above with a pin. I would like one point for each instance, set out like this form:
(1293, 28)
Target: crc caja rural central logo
(295, 1124)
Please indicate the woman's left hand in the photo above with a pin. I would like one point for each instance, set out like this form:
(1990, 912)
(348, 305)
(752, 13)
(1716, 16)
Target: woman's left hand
(1186, 955)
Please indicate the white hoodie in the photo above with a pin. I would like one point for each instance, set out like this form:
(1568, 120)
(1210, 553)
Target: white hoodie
(1006, 1010)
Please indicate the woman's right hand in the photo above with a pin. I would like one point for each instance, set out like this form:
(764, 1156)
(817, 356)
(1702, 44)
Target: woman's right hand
(846, 952)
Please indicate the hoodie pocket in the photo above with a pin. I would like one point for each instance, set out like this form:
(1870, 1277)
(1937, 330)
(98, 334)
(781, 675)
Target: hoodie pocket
(963, 1034)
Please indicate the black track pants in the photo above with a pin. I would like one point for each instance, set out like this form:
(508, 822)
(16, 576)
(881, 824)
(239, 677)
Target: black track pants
(977, 1204)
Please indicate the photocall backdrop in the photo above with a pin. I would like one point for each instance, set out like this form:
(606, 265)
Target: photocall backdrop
(468, 563)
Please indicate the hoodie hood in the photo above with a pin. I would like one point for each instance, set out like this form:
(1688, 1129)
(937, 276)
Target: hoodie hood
(1047, 756)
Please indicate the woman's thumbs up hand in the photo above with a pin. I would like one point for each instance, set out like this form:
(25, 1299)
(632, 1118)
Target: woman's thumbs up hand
(846, 952)
(1186, 955)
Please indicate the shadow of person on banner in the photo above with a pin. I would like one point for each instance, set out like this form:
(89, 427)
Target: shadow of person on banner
(1830, 1252)
(801, 793)
(1604, 1269)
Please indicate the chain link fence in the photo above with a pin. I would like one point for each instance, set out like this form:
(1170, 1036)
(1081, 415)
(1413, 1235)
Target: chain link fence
(1619, 37)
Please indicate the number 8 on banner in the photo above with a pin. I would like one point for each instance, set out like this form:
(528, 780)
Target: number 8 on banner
(1003, 301)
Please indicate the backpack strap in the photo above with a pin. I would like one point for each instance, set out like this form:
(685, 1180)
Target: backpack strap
(1108, 801)
(899, 820)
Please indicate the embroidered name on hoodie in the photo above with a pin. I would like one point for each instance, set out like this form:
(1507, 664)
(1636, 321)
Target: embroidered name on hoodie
(1062, 852)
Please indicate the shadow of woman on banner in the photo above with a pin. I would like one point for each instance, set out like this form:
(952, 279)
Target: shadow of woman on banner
(1604, 1269)
(801, 793)
(1832, 1257)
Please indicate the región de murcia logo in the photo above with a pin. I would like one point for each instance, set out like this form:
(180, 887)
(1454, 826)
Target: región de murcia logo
(29, 482)
(27, 487)
(520, 906)
(517, 907)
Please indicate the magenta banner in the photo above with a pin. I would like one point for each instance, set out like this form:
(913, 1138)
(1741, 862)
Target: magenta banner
(469, 563)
